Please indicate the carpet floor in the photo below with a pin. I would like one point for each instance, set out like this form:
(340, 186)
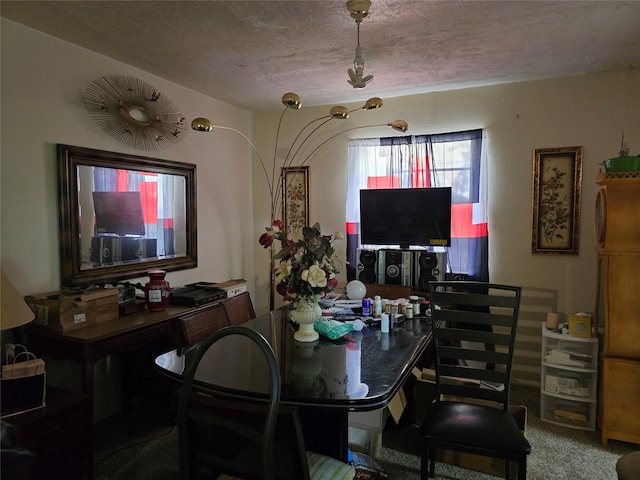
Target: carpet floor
(143, 446)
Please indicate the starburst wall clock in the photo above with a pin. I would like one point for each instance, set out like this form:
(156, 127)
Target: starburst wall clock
(134, 112)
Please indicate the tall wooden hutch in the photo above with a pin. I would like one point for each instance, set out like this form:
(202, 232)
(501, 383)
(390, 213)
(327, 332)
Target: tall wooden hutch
(618, 301)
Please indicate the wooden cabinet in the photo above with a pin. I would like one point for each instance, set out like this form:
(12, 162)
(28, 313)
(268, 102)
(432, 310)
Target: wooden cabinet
(619, 277)
(621, 397)
(617, 218)
(618, 244)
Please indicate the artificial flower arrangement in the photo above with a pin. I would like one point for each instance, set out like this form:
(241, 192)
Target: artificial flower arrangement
(308, 266)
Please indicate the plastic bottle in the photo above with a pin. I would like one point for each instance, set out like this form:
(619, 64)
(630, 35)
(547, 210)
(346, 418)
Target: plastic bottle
(366, 307)
(408, 311)
(377, 306)
(384, 323)
(415, 302)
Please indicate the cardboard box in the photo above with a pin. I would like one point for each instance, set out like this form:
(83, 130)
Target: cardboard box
(375, 420)
(365, 428)
(580, 325)
(426, 390)
(426, 394)
(365, 441)
(232, 288)
(106, 303)
(66, 310)
(397, 405)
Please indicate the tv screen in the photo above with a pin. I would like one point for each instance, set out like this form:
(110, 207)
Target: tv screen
(406, 217)
(118, 213)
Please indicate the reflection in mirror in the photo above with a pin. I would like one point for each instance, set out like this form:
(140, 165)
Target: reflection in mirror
(129, 215)
(123, 215)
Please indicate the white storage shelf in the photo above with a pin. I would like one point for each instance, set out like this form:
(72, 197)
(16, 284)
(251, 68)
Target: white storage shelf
(569, 380)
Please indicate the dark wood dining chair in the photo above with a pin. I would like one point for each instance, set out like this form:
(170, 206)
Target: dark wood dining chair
(226, 435)
(474, 329)
(239, 309)
(199, 325)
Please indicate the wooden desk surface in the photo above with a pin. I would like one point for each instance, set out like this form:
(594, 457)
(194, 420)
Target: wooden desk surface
(87, 345)
(121, 325)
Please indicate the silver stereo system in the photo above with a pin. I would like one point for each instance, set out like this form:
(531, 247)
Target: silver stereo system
(395, 267)
(415, 268)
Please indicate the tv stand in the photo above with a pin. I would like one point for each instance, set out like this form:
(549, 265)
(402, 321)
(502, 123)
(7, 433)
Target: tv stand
(391, 291)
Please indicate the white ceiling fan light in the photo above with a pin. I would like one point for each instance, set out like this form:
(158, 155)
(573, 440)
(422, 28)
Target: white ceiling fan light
(358, 10)
(356, 73)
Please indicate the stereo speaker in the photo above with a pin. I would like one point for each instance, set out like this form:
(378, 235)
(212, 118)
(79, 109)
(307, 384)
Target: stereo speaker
(367, 266)
(428, 267)
(395, 267)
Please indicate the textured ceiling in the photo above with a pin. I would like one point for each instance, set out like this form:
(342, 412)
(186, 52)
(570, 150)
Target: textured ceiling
(248, 53)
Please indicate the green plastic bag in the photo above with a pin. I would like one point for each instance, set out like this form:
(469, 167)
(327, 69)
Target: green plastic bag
(332, 329)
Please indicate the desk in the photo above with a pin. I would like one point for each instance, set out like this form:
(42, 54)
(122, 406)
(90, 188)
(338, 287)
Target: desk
(124, 334)
(325, 379)
(130, 332)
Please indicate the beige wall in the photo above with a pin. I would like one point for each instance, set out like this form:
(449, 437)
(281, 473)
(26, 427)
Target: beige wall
(589, 110)
(42, 83)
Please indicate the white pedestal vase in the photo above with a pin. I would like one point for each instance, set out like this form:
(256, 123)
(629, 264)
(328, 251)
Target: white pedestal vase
(306, 312)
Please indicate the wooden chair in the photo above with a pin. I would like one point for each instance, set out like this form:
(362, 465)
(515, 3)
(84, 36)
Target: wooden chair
(239, 309)
(474, 332)
(199, 325)
(228, 436)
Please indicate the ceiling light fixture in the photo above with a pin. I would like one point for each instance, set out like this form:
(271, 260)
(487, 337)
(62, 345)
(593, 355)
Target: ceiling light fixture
(358, 10)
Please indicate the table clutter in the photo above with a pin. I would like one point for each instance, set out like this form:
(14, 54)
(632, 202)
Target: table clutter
(358, 313)
(576, 324)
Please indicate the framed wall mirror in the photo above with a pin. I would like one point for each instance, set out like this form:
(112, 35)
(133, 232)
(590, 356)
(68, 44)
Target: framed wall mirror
(123, 215)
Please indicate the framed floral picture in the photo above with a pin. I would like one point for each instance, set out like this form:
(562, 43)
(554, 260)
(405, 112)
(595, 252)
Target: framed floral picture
(295, 200)
(557, 188)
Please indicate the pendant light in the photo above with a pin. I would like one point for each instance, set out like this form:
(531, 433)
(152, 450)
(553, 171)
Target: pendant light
(358, 10)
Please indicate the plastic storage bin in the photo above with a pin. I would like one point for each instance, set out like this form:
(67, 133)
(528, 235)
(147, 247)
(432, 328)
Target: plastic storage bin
(568, 379)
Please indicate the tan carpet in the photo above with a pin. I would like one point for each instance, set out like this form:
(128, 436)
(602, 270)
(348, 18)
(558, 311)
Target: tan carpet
(146, 449)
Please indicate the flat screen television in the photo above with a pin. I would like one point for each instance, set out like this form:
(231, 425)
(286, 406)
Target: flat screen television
(118, 213)
(407, 217)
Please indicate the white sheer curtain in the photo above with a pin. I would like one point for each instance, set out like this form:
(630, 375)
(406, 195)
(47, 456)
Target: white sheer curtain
(362, 164)
(453, 159)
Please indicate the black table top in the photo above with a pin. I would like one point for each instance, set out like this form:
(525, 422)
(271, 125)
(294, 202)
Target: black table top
(360, 371)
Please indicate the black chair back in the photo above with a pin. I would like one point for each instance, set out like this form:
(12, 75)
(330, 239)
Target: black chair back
(474, 331)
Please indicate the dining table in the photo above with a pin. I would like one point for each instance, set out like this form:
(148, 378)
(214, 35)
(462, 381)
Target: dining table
(325, 379)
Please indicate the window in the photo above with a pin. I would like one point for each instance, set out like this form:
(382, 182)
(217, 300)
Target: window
(443, 160)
